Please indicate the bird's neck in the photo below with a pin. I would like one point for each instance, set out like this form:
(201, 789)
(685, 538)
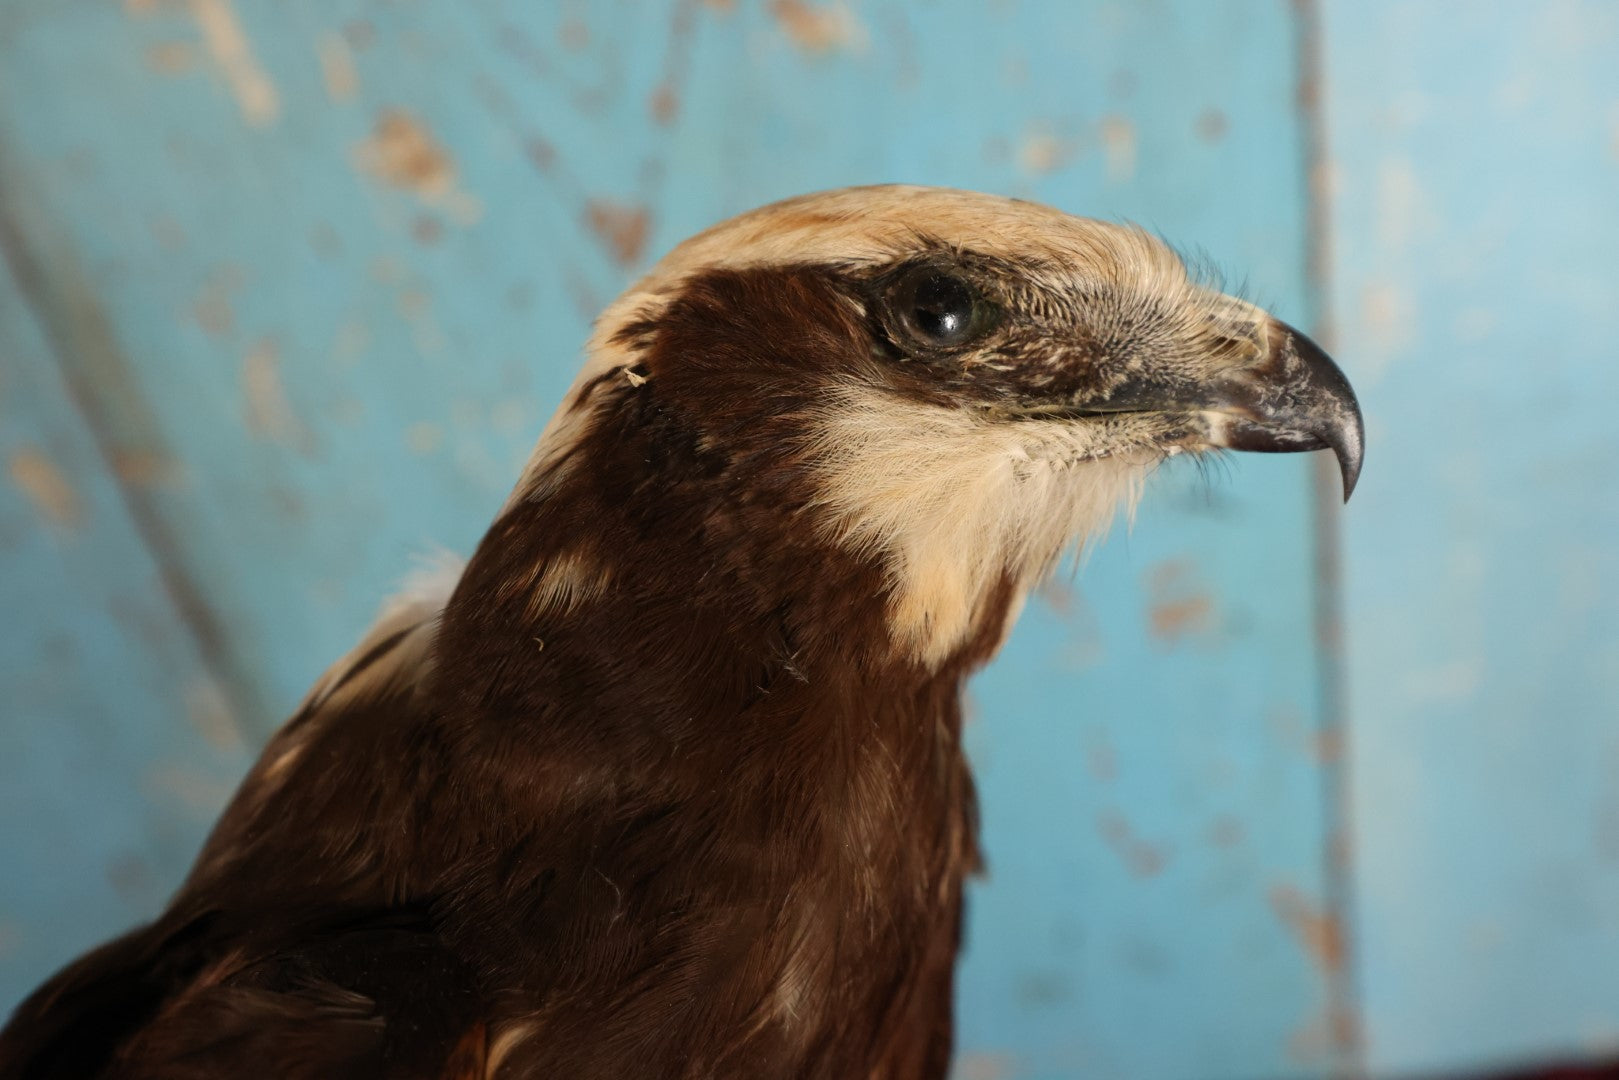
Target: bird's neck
(747, 679)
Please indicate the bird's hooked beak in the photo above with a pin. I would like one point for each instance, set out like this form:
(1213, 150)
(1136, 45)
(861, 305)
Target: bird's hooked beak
(1294, 398)
(1288, 397)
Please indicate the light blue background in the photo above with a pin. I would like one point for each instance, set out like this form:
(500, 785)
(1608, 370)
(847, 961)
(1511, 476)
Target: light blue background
(1269, 791)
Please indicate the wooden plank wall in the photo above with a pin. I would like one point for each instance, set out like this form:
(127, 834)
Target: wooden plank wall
(1474, 160)
(291, 287)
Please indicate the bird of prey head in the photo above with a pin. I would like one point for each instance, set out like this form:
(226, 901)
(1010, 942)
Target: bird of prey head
(672, 783)
(953, 384)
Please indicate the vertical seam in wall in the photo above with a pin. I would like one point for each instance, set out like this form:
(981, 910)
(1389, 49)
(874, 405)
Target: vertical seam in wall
(1343, 990)
(87, 354)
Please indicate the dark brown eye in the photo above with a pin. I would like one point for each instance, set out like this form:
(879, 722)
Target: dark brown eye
(938, 309)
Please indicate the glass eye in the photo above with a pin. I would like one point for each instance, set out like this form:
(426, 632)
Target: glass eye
(937, 308)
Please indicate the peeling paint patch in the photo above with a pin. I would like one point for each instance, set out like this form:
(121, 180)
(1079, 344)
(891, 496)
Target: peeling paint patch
(820, 28)
(621, 229)
(47, 487)
(1319, 932)
(1141, 858)
(337, 67)
(664, 104)
(232, 53)
(1177, 607)
(269, 413)
(403, 153)
(1119, 148)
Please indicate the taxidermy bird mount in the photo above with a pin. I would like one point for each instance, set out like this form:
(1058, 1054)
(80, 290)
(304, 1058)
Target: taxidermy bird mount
(669, 781)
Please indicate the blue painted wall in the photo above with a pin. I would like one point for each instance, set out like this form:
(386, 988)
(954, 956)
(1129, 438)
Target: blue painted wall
(289, 289)
(1474, 170)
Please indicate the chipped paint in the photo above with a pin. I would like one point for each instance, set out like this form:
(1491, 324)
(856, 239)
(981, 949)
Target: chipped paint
(268, 412)
(663, 105)
(47, 487)
(1318, 931)
(402, 152)
(337, 67)
(1178, 607)
(621, 229)
(1119, 148)
(232, 54)
(1142, 859)
(820, 28)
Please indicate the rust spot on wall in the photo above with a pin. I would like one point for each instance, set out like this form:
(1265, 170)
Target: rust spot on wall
(1211, 125)
(1177, 606)
(1140, 857)
(819, 28)
(1319, 932)
(664, 104)
(232, 54)
(1175, 619)
(621, 229)
(337, 67)
(171, 57)
(403, 153)
(47, 487)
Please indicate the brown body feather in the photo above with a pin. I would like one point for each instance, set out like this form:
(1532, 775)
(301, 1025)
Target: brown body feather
(672, 786)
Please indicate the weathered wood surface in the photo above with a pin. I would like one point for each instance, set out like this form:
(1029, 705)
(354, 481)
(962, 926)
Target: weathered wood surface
(291, 287)
(1475, 169)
